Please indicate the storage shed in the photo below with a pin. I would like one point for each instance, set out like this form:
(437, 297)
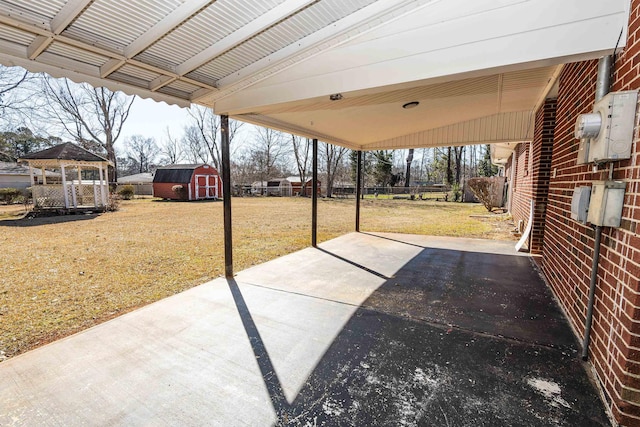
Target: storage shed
(187, 182)
(296, 186)
(278, 187)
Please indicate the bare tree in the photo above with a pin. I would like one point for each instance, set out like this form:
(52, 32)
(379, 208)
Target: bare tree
(192, 147)
(458, 152)
(267, 152)
(407, 175)
(207, 135)
(142, 153)
(301, 148)
(16, 97)
(170, 150)
(92, 116)
(333, 156)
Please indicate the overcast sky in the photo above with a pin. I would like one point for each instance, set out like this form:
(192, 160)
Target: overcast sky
(151, 119)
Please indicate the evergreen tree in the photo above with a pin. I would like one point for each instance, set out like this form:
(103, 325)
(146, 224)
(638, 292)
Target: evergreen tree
(485, 167)
(383, 169)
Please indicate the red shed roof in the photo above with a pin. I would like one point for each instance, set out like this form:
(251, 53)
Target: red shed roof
(179, 174)
(180, 166)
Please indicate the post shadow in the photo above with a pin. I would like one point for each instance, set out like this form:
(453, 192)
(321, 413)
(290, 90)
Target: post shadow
(269, 376)
(355, 264)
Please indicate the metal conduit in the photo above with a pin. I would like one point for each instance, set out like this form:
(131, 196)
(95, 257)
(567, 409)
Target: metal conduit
(603, 85)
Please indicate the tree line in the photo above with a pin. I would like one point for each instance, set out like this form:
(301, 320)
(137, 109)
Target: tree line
(37, 111)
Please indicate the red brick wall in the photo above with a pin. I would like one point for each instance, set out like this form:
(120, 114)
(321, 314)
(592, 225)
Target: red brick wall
(521, 186)
(569, 246)
(540, 169)
(531, 178)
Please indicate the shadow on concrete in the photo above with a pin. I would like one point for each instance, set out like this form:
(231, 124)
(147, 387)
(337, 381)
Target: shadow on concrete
(269, 375)
(454, 338)
(353, 263)
(44, 220)
(392, 240)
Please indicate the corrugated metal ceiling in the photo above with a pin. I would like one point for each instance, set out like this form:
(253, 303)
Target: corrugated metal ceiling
(206, 51)
(169, 41)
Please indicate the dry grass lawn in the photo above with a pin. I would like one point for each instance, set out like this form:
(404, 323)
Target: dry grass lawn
(64, 274)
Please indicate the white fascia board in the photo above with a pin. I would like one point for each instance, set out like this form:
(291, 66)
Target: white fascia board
(522, 35)
(275, 15)
(337, 33)
(15, 55)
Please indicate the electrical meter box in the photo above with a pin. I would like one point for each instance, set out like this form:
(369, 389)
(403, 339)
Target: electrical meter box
(580, 204)
(613, 142)
(583, 152)
(606, 202)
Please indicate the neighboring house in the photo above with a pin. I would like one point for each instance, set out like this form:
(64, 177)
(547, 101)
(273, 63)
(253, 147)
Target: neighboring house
(187, 182)
(279, 187)
(296, 186)
(284, 187)
(142, 183)
(14, 175)
(258, 187)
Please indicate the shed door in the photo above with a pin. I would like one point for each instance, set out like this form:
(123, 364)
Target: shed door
(206, 187)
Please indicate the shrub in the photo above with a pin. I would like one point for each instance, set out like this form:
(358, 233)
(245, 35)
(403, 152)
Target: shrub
(180, 191)
(485, 190)
(456, 193)
(9, 195)
(113, 204)
(126, 192)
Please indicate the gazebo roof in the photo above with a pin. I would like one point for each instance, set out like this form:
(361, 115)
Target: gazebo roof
(65, 151)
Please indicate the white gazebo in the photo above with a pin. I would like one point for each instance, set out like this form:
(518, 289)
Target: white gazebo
(82, 182)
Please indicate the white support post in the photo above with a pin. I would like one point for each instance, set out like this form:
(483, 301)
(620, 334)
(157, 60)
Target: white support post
(33, 182)
(103, 185)
(44, 176)
(80, 191)
(65, 193)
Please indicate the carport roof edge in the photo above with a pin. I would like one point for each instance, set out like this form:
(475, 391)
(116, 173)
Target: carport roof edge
(283, 52)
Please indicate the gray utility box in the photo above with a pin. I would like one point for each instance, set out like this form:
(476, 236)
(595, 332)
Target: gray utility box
(606, 202)
(613, 142)
(580, 204)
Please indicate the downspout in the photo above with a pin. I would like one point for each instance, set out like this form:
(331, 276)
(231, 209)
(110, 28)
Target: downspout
(603, 85)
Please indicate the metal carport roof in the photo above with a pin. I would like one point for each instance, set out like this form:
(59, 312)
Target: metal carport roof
(478, 69)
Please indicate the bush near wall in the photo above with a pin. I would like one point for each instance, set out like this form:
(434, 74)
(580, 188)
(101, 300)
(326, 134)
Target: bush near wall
(487, 191)
(126, 192)
(9, 195)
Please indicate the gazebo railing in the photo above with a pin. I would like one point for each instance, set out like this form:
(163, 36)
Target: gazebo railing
(84, 195)
(48, 196)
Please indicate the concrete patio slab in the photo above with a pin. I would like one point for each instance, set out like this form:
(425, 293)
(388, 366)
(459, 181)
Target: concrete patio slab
(368, 329)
